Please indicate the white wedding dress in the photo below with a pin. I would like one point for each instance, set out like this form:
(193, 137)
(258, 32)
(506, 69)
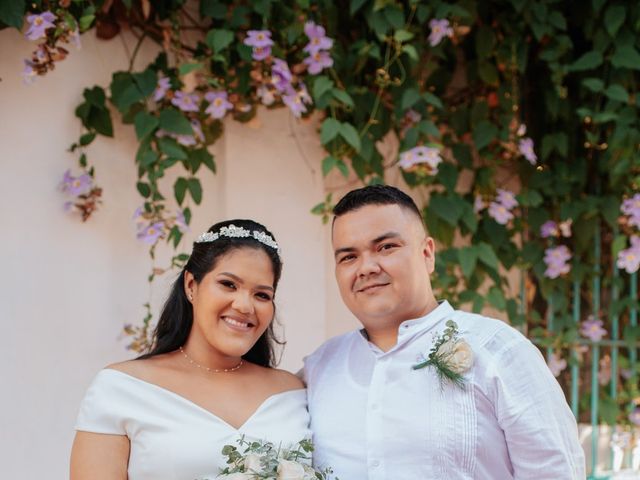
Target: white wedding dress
(171, 437)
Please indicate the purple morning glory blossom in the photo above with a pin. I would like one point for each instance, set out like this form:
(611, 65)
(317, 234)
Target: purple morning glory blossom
(218, 104)
(556, 259)
(556, 364)
(500, 213)
(318, 61)
(525, 146)
(29, 73)
(507, 199)
(421, 154)
(281, 76)
(592, 329)
(151, 233)
(260, 53)
(631, 207)
(164, 84)
(317, 38)
(479, 204)
(38, 24)
(439, 29)
(634, 416)
(629, 258)
(181, 222)
(549, 229)
(297, 101)
(265, 95)
(187, 102)
(258, 38)
(76, 186)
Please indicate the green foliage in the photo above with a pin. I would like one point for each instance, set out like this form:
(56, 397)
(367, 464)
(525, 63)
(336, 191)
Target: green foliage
(570, 77)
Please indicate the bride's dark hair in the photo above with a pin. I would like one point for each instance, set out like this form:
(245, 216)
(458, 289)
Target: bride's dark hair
(176, 317)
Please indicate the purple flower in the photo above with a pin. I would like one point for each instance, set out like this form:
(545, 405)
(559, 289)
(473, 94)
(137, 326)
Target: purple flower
(297, 101)
(281, 76)
(479, 204)
(507, 199)
(634, 416)
(187, 102)
(28, 73)
(556, 259)
(500, 213)
(181, 222)
(631, 207)
(421, 154)
(522, 129)
(163, 86)
(629, 258)
(151, 233)
(604, 374)
(218, 104)
(258, 38)
(525, 146)
(549, 229)
(260, 53)
(76, 185)
(565, 227)
(556, 364)
(592, 329)
(38, 24)
(318, 61)
(75, 38)
(138, 215)
(265, 94)
(439, 30)
(317, 38)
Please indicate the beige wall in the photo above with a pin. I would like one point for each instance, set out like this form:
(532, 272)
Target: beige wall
(68, 287)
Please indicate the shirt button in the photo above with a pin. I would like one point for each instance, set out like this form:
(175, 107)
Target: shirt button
(375, 463)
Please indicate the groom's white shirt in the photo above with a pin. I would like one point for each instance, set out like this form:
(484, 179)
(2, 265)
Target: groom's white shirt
(375, 418)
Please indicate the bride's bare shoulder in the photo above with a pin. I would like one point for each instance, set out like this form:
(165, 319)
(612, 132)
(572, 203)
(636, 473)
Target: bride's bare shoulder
(141, 368)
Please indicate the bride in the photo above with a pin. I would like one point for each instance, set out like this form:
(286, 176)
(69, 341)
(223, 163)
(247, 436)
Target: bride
(208, 378)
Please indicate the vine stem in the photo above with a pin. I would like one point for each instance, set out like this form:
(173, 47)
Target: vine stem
(137, 49)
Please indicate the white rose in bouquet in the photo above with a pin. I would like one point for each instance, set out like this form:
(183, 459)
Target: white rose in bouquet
(457, 354)
(288, 470)
(252, 463)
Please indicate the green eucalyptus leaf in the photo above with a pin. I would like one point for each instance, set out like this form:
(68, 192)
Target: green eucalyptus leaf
(343, 97)
(487, 255)
(593, 84)
(411, 52)
(402, 36)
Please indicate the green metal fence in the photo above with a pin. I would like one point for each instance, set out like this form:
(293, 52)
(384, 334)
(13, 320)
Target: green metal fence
(581, 381)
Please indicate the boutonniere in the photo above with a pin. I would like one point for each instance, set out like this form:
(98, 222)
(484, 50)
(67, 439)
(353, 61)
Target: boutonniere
(450, 355)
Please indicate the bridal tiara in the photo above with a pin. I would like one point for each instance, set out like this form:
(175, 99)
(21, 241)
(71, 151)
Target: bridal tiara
(232, 231)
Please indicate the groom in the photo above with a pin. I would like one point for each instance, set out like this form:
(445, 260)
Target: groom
(498, 415)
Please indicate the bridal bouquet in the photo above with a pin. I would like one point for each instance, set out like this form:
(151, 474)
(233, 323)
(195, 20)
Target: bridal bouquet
(263, 460)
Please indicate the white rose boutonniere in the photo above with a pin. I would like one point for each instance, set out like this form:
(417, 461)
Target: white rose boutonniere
(288, 470)
(450, 355)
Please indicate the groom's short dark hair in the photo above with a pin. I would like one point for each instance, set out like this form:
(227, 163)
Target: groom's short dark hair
(375, 195)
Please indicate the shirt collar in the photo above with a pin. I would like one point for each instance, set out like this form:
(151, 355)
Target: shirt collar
(410, 328)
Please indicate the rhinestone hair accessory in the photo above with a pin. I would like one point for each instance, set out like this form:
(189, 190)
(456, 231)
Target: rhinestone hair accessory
(232, 231)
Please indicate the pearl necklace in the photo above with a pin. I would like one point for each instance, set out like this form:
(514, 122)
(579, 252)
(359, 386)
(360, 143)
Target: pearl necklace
(209, 369)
